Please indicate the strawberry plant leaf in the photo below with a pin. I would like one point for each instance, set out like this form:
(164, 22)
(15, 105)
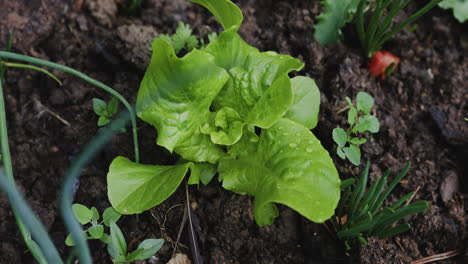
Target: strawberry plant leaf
(134, 188)
(162, 100)
(339, 136)
(306, 104)
(288, 171)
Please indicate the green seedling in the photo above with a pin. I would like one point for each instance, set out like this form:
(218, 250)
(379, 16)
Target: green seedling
(105, 111)
(360, 213)
(360, 122)
(115, 240)
(233, 110)
(183, 39)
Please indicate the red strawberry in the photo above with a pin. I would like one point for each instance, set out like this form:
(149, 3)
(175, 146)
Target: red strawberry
(381, 61)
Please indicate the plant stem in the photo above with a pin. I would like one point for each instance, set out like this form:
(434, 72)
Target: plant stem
(14, 56)
(6, 158)
(31, 67)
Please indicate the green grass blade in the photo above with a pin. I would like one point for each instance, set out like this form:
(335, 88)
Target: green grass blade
(66, 199)
(346, 183)
(32, 67)
(394, 231)
(28, 59)
(390, 219)
(359, 190)
(389, 189)
(360, 23)
(30, 220)
(401, 201)
(378, 190)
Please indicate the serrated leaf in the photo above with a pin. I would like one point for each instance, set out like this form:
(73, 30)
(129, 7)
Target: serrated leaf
(95, 216)
(102, 121)
(306, 105)
(364, 102)
(134, 188)
(117, 239)
(352, 114)
(82, 213)
(353, 154)
(175, 97)
(96, 231)
(110, 215)
(335, 15)
(339, 136)
(99, 107)
(287, 171)
(459, 7)
(146, 249)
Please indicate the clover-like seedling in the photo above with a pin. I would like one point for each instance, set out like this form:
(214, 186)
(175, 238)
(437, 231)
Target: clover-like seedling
(115, 240)
(360, 214)
(104, 110)
(360, 122)
(91, 217)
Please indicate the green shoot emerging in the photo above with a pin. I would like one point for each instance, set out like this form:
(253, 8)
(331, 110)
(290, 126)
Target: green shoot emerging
(360, 122)
(375, 25)
(360, 214)
(104, 110)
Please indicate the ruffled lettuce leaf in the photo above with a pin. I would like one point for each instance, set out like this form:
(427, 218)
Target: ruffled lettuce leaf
(227, 13)
(335, 15)
(306, 104)
(175, 97)
(459, 7)
(288, 165)
(225, 128)
(259, 88)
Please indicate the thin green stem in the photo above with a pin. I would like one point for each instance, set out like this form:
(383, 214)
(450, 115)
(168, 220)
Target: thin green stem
(31, 67)
(7, 164)
(36, 61)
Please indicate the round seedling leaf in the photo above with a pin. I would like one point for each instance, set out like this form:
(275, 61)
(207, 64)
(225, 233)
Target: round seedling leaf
(99, 107)
(353, 154)
(364, 102)
(339, 136)
(340, 153)
(102, 121)
(146, 249)
(69, 241)
(374, 126)
(95, 216)
(82, 213)
(109, 215)
(96, 231)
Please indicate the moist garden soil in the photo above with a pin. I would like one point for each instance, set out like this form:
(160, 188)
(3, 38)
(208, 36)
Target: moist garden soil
(421, 107)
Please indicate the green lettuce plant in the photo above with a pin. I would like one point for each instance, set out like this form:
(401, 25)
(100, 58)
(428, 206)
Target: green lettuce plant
(234, 110)
(459, 7)
(360, 122)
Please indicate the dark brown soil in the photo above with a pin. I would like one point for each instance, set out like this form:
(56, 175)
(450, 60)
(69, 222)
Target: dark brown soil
(421, 107)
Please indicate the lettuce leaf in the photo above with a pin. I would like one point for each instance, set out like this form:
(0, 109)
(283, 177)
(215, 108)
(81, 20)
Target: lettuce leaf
(306, 105)
(335, 15)
(175, 97)
(460, 8)
(227, 13)
(259, 88)
(288, 166)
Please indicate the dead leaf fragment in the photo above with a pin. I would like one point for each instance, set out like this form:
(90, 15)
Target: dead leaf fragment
(180, 258)
(449, 186)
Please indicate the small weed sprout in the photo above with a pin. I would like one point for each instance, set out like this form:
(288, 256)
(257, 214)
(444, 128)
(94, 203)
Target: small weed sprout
(183, 39)
(115, 240)
(360, 122)
(104, 110)
(360, 214)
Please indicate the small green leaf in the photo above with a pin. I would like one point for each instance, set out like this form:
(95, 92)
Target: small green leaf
(306, 105)
(201, 172)
(96, 231)
(340, 153)
(227, 13)
(69, 241)
(110, 215)
(364, 102)
(117, 239)
(112, 106)
(82, 213)
(339, 136)
(352, 114)
(102, 121)
(374, 124)
(120, 259)
(99, 107)
(105, 238)
(353, 154)
(146, 249)
(459, 7)
(358, 141)
(113, 252)
(349, 102)
(95, 216)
